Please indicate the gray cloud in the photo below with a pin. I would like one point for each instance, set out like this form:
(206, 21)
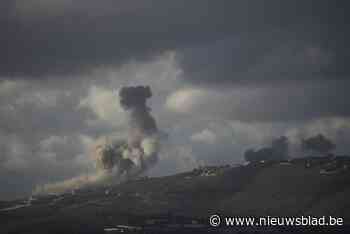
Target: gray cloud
(282, 103)
(260, 58)
(60, 37)
(43, 134)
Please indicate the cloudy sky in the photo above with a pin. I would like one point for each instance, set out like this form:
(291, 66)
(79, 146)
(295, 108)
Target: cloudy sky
(225, 76)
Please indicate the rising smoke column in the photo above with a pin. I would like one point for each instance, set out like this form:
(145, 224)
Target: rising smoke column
(139, 152)
(117, 160)
(143, 128)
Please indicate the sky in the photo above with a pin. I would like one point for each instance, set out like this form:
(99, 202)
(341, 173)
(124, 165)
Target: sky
(225, 75)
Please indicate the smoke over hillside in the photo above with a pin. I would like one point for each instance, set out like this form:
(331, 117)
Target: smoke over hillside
(317, 144)
(139, 151)
(118, 160)
(277, 151)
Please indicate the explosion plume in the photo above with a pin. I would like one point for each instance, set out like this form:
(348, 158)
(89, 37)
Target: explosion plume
(118, 160)
(139, 151)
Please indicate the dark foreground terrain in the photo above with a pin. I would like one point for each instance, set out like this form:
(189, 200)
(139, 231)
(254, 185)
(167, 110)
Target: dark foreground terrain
(183, 203)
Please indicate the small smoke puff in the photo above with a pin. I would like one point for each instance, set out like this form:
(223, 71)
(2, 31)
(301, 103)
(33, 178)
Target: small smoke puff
(205, 136)
(318, 143)
(150, 146)
(126, 153)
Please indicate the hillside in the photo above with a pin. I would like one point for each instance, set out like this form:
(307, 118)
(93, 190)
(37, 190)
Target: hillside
(308, 186)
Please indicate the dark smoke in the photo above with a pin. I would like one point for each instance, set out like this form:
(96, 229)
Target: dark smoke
(112, 155)
(139, 152)
(118, 160)
(317, 144)
(134, 99)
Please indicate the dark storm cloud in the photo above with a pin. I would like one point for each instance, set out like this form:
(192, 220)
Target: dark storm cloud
(53, 37)
(95, 33)
(296, 59)
(266, 57)
(294, 42)
(296, 102)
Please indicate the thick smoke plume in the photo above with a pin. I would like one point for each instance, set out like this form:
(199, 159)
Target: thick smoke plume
(139, 151)
(118, 160)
